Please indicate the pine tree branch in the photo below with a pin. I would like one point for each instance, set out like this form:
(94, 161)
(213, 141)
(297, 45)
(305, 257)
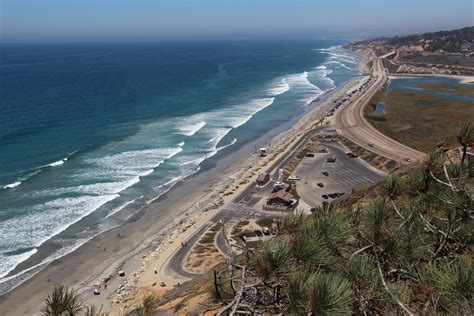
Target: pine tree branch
(443, 243)
(430, 226)
(402, 306)
(396, 209)
(446, 174)
(360, 251)
(442, 182)
(461, 165)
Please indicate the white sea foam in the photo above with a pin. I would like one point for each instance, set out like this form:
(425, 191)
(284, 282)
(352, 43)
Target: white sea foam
(99, 188)
(47, 220)
(121, 207)
(62, 161)
(342, 60)
(323, 73)
(338, 63)
(169, 185)
(240, 115)
(8, 263)
(181, 144)
(281, 88)
(134, 162)
(146, 173)
(191, 129)
(57, 163)
(172, 180)
(29, 272)
(228, 145)
(12, 185)
(21, 180)
(302, 81)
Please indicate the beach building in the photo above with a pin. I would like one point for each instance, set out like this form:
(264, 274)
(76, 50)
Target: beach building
(263, 179)
(279, 201)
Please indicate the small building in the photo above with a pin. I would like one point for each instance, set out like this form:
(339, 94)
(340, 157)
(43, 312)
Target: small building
(263, 179)
(280, 200)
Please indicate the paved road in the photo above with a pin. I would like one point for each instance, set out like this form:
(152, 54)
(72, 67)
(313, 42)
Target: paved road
(175, 265)
(344, 174)
(350, 122)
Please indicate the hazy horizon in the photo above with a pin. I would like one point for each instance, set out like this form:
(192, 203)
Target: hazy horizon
(164, 20)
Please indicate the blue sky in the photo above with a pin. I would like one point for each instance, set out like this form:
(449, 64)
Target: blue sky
(38, 20)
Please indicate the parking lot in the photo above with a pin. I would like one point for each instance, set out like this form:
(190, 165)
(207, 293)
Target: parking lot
(342, 175)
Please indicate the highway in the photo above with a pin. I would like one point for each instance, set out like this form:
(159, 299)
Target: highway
(350, 122)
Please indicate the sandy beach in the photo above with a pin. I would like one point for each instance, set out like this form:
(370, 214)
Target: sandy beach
(137, 246)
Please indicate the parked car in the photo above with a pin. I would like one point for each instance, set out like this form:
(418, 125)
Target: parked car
(310, 155)
(332, 195)
(277, 186)
(325, 196)
(331, 159)
(325, 173)
(371, 145)
(323, 150)
(320, 184)
(294, 178)
(258, 233)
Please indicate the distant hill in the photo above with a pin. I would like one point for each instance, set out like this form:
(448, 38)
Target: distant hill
(443, 52)
(455, 41)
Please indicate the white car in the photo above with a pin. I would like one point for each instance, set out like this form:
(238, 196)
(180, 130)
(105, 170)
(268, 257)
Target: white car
(277, 186)
(294, 178)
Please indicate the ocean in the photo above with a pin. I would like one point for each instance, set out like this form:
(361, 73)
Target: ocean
(92, 133)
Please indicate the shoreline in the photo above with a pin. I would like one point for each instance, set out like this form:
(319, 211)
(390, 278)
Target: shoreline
(124, 247)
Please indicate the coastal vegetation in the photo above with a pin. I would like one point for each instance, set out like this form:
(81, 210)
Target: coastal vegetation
(66, 301)
(458, 90)
(418, 120)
